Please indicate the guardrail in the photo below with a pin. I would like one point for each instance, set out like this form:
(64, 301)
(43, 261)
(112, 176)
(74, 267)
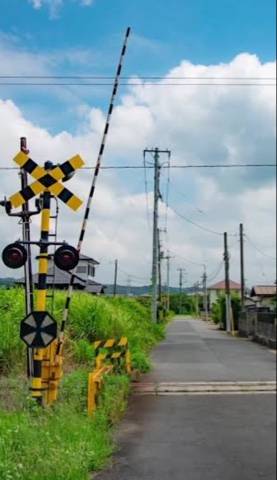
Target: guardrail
(111, 355)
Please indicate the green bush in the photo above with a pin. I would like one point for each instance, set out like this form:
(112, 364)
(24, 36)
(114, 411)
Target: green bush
(91, 318)
(219, 310)
(183, 304)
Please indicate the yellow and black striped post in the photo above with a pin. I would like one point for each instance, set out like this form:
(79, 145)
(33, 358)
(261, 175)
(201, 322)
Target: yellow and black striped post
(47, 365)
(38, 388)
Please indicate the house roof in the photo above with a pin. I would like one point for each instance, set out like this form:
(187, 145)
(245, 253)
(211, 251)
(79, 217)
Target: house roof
(89, 259)
(61, 278)
(94, 287)
(263, 291)
(221, 285)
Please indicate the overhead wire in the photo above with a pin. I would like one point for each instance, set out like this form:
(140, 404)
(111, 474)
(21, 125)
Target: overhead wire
(258, 249)
(142, 77)
(140, 167)
(209, 230)
(129, 84)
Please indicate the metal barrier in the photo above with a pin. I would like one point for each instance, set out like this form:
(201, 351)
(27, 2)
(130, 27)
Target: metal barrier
(112, 355)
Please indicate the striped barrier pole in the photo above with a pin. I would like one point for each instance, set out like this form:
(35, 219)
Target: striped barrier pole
(92, 189)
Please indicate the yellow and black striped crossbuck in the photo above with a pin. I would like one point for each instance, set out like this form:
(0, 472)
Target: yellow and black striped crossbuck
(47, 180)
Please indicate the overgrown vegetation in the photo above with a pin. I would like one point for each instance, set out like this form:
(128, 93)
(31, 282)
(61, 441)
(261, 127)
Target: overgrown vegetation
(185, 304)
(62, 443)
(219, 310)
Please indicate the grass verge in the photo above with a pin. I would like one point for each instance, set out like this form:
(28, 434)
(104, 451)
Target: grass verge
(62, 443)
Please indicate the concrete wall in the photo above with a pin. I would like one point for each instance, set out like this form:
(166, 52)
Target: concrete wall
(259, 326)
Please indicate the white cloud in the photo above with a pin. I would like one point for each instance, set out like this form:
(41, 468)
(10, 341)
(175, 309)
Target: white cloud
(200, 125)
(54, 6)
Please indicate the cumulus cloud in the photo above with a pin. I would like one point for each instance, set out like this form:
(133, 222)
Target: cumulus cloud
(54, 6)
(200, 124)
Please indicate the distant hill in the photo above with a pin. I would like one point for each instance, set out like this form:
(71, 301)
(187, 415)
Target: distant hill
(7, 281)
(121, 289)
(137, 291)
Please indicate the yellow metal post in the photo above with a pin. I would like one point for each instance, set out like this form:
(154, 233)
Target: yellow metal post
(38, 386)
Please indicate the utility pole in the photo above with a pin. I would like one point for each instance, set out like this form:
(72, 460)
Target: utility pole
(128, 285)
(242, 280)
(180, 270)
(205, 294)
(227, 285)
(115, 277)
(167, 258)
(160, 257)
(196, 288)
(155, 249)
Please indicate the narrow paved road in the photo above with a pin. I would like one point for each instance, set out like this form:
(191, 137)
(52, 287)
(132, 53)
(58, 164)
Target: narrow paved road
(200, 437)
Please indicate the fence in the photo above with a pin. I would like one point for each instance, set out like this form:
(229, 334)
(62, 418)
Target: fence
(259, 326)
(111, 355)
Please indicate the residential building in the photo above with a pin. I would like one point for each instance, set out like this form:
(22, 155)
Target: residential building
(214, 291)
(264, 295)
(84, 278)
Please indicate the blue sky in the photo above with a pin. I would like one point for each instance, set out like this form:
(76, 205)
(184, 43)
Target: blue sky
(201, 30)
(81, 39)
(199, 125)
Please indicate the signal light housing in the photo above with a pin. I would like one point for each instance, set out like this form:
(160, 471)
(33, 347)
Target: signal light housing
(66, 257)
(14, 255)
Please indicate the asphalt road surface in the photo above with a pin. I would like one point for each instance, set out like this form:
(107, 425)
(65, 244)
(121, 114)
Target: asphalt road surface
(200, 436)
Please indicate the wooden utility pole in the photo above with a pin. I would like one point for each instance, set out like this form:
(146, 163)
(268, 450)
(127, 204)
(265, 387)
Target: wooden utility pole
(242, 280)
(167, 258)
(115, 277)
(227, 284)
(196, 289)
(180, 270)
(205, 294)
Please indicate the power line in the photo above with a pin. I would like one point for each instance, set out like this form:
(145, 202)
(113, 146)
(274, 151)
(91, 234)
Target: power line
(216, 273)
(140, 167)
(197, 224)
(133, 276)
(185, 259)
(139, 84)
(257, 249)
(142, 77)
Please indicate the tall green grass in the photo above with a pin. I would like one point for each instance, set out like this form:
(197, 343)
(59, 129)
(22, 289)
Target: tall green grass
(91, 318)
(62, 443)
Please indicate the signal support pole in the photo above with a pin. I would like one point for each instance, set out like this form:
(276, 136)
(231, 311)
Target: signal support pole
(242, 280)
(26, 236)
(157, 196)
(227, 285)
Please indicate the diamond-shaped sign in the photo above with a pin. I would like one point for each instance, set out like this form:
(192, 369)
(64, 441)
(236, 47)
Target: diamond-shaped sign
(38, 329)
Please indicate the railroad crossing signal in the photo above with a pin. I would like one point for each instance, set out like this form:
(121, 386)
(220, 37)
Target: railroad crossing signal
(38, 329)
(14, 255)
(47, 180)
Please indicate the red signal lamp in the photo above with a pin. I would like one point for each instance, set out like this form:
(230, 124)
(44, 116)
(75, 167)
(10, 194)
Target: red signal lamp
(66, 257)
(14, 255)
